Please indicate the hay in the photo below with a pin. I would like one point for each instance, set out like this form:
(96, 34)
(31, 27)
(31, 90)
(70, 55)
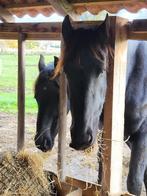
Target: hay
(22, 174)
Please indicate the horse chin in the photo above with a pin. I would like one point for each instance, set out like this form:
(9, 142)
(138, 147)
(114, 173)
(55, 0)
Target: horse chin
(81, 147)
(45, 149)
(44, 144)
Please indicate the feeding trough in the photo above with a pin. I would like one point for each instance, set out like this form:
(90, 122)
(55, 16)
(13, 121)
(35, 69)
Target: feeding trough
(22, 173)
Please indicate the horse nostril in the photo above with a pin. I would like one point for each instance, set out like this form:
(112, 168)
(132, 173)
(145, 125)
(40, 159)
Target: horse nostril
(90, 138)
(71, 145)
(45, 143)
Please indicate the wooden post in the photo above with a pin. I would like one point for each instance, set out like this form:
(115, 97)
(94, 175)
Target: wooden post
(62, 126)
(21, 93)
(114, 109)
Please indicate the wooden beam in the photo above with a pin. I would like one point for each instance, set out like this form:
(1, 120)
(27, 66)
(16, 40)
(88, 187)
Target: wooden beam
(31, 27)
(137, 30)
(43, 36)
(62, 126)
(31, 36)
(51, 27)
(7, 35)
(88, 188)
(138, 25)
(14, 6)
(21, 93)
(137, 36)
(114, 109)
(5, 15)
(97, 2)
(38, 31)
(64, 188)
(102, 2)
(64, 8)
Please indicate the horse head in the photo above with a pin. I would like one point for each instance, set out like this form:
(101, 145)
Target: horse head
(85, 64)
(47, 97)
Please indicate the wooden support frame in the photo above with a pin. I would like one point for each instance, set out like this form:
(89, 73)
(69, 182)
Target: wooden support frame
(123, 30)
(51, 31)
(62, 126)
(114, 109)
(137, 30)
(88, 189)
(38, 31)
(21, 93)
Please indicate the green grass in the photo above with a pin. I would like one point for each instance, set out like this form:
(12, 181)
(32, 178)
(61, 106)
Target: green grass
(8, 82)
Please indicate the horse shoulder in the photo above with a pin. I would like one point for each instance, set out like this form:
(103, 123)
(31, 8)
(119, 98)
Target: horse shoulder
(136, 87)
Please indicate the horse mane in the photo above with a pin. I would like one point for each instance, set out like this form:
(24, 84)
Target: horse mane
(35, 83)
(59, 67)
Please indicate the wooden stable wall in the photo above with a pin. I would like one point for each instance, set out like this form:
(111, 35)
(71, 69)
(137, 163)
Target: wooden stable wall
(121, 30)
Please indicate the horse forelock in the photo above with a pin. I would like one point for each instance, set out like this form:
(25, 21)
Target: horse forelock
(59, 67)
(102, 54)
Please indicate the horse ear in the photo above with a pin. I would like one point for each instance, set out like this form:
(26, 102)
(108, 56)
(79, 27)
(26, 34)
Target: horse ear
(105, 27)
(56, 59)
(66, 28)
(41, 64)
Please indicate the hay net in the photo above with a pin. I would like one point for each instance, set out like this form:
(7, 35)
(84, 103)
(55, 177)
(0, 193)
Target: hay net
(22, 174)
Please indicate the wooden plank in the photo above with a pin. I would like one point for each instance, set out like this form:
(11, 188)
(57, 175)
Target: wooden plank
(62, 126)
(65, 189)
(114, 109)
(43, 36)
(21, 5)
(52, 27)
(137, 36)
(138, 25)
(137, 30)
(64, 8)
(8, 35)
(68, 190)
(77, 3)
(31, 36)
(97, 2)
(31, 27)
(88, 188)
(120, 194)
(21, 93)
(5, 15)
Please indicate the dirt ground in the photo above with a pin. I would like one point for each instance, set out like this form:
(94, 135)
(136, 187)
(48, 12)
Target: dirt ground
(79, 164)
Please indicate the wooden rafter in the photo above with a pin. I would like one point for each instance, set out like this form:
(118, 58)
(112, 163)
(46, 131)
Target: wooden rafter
(64, 8)
(50, 27)
(13, 6)
(79, 2)
(136, 29)
(37, 31)
(5, 15)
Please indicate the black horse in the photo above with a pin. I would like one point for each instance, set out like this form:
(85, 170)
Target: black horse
(85, 64)
(47, 97)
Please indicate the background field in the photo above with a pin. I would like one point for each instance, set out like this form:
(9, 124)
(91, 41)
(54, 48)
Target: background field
(8, 81)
